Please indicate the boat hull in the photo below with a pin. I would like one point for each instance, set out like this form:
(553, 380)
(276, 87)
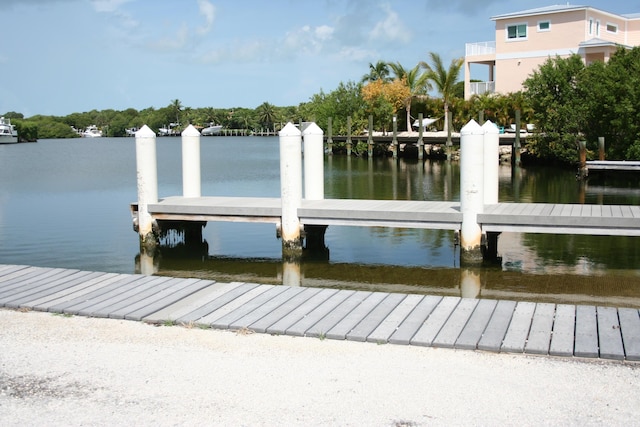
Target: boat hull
(8, 139)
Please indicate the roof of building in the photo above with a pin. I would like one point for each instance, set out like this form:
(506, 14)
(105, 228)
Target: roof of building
(554, 9)
(596, 42)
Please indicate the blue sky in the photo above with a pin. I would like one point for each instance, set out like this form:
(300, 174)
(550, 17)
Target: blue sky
(64, 56)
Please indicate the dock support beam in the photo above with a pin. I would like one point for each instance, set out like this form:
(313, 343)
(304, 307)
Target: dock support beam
(147, 181)
(420, 138)
(191, 182)
(290, 190)
(314, 189)
(471, 191)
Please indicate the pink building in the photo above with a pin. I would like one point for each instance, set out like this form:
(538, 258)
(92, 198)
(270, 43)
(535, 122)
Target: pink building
(525, 40)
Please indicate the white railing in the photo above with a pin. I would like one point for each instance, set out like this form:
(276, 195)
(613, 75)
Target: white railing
(481, 48)
(478, 88)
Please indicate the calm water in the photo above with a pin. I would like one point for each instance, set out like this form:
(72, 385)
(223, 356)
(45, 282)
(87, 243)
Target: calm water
(65, 203)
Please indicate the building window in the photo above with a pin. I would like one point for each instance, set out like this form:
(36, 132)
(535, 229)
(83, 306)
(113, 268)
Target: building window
(597, 28)
(544, 26)
(518, 31)
(590, 26)
(612, 28)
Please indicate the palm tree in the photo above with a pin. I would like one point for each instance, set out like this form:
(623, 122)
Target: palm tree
(266, 115)
(443, 79)
(379, 71)
(176, 105)
(417, 82)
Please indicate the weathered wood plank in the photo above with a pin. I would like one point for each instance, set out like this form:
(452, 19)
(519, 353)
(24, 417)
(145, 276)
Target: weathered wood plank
(518, 331)
(348, 322)
(562, 338)
(67, 290)
(234, 304)
(147, 297)
(226, 321)
(101, 291)
(609, 337)
(430, 328)
(497, 328)
(138, 312)
(295, 316)
(187, 304)
(369, 323)
(452, 328)
(41, 288)
(287, 307)
(264, 309)
(99, 306)
(539, 339)
(391, 323)
(415, 320)
(220, 300)
(472, 332)
(320, 328)
(301, 327)
(586, 341)
(630, 328)
(107, 308)
(31, 278)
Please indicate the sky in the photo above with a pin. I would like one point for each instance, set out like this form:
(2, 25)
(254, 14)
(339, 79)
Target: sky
(60, 57)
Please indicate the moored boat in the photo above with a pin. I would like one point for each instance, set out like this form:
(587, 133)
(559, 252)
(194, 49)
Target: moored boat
(92, 132)
(8, 132)
(212, 129)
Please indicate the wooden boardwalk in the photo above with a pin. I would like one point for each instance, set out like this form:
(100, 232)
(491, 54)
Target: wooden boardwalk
(409, 319)
(622, 220)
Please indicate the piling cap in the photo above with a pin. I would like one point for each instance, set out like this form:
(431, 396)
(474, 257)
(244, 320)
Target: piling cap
(472, 128)
(313, 129)
(190, 131)
(290, 130)
(145, 132)
(490, 127)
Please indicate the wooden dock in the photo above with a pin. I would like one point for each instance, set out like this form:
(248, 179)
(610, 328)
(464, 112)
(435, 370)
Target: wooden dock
(424, 320)
(615, 220)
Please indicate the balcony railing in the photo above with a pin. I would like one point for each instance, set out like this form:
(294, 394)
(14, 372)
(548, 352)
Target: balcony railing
(479, 88)
(481, 48)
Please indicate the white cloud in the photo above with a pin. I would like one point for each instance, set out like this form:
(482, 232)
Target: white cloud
(391, 28)
(208, 10)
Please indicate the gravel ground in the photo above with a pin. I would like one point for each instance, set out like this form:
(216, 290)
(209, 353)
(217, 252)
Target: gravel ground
(57, 370)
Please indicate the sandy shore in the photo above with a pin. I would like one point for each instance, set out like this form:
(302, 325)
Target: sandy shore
(57, 370)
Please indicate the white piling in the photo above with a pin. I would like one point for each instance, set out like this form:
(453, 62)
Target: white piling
(290, 187)
(491, 162)
(313, 162)
(147, 178)
(191, 162)
(471, 189)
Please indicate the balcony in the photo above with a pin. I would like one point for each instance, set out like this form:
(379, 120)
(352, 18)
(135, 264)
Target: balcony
(480, 88)
(481, 48)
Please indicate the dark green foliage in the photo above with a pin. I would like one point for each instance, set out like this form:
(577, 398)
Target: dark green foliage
(574, 102)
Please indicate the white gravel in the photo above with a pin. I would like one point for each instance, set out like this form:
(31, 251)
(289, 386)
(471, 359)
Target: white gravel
(56, 370)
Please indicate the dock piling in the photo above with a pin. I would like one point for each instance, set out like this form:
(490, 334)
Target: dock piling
(290, 190)
(147, 183)
(471, 191)
(191, 183)
(313, 162)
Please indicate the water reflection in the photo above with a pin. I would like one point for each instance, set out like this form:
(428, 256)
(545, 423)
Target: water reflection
(618, 288)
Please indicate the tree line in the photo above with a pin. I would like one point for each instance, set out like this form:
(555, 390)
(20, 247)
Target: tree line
(565, 99)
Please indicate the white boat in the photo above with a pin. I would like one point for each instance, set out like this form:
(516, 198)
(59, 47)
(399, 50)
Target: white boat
(212, 129)
(425, 123)
(8, 132)
(131, 131)
(168, 130)
(92, 132)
